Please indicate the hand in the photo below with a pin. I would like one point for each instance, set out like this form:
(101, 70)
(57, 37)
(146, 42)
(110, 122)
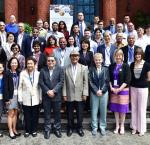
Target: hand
(84, 98)
(65, 98)
(99, 93)
(51, 93)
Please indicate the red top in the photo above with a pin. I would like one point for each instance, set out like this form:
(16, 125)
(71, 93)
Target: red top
(49, 50)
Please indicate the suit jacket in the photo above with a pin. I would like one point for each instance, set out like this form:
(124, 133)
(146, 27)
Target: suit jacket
(75, 90)
(87, 60)
(99, 82)
(27, 50)
(57, 54)
(147, 54)
(124, 74)
(55, 83)
(29, 93)
(101, 49)
(125, 50)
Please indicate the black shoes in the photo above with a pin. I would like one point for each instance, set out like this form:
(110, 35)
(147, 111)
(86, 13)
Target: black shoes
(26, 134)
(46, 134)
(80, 132)
(58, 133)
(12, 137)
(34, 134)
(17, 134)
(69, 132)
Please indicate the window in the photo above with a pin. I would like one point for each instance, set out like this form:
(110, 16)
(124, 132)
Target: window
(88, 7)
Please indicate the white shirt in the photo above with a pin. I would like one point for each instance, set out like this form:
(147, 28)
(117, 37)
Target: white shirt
(147, 39)
(20, 38)
(93, 46)
(141, 42)
(74, 72)
(3, 38)
(107, 56)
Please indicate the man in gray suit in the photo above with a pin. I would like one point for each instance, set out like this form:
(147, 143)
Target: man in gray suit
(75, 92)
(51, 81)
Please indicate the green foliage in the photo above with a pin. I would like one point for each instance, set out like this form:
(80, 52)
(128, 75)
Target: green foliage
(28, 28)
(142, 19)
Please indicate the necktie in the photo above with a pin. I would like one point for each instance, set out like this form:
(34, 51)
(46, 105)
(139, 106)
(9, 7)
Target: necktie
(131, 54)
(81, 29)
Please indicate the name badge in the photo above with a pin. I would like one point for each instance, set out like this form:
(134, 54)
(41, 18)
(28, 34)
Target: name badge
(115, 83)
(15, 92)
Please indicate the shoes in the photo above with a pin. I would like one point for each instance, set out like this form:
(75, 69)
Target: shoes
(80, 132)
(17, 134)
(133, 132)
(141, 134)
(12, 136)
(116, 130)
(58, 133)
(122, 130)
(46, 134)
(34, 134)
(103, 132)
(94, 132)
(1, 135)
(69, 132)
(26, 134)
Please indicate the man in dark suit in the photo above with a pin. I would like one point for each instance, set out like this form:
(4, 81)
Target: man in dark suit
(129, 49)
(21, 37)
(28, 50)
(51, 81)
(107, 49)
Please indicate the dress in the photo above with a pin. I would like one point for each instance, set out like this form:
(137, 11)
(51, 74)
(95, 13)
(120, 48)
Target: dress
(119, 102)
(14, 101)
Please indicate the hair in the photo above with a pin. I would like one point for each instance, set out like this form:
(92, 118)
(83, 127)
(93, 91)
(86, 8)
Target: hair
(97, 29)
(68, 45)
(98, 55)
(148, 26)
(54, 23)
(9, 63)
(50, 55)
(118, 51)
(85, 41)
(65, 26)
(34, 29)
(53, 37)
(9, 33)
(36, 42)
(15, 44)
(30, 58)
(139, 51)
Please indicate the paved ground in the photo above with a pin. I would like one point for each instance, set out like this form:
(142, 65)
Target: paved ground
(88, 139)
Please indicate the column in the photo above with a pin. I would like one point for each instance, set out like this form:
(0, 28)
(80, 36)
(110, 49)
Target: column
(11, 8)
(43, 9)
(109, 10)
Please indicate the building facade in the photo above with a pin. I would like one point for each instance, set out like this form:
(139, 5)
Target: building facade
(30, 10)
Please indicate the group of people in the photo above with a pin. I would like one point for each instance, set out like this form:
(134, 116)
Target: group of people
(92, 67)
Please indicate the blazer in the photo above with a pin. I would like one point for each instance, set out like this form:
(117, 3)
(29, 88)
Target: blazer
(55, 83)
(125, 50)
(99, 82)
(27, 50)
(3, 56)
(29, 93)
(87, 60)
(124, 74)
(8, 86)
(75, 90)
(147, 54)
(101, 49)
(57, 54)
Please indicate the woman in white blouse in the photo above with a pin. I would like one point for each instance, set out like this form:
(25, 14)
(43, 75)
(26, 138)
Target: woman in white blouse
(29, 95)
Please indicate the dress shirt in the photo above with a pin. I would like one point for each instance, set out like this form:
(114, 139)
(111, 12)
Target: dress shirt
(130, 54)
(107, 56)
(20, 38)
(141, 42)
(74, 72)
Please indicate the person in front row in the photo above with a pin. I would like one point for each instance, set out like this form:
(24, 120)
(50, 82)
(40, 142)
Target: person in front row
(99, 83)
(120, 77)
(51, 82)
(75, 92)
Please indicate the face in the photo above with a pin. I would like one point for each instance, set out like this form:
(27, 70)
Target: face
(126, 19)
(51, 62)
(131, 40)
(71, 40)
(76, 29)
(15, 49)
(35, 33)
(55, 27)
(107, 38)
(100, 25)
(51, 41)
(30, 65)
(1, 68)
(138, 57)
(87, 34)
(46, 25)
(119, 57)
(140, 31)
(80, 16)
(98, 60)
(11, 38)
(21, 27)
(62, 43)
(36, 48)
(14, 64)
(84, 46)
(96, 19)
(39, 24)
(74, 59)
(12, 19)
(130, 27)
(112, 21)
(119, 28)
(61, 25)
(148, 31)
(2, 26)
(119, 38)
(98, 34)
